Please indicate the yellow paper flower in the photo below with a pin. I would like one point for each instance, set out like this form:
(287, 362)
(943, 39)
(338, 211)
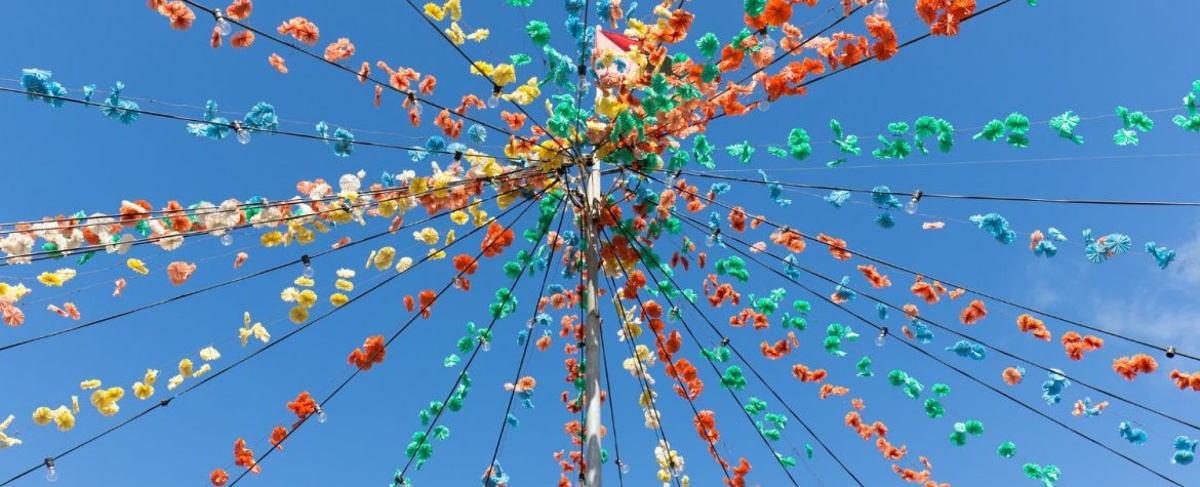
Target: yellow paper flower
(201, 371)
(435, 254)
(429, 235)
(304, 235)
(435, 12)
(346, 273)
(89, 384)
(344, 285)
(137, 266)
(257, 331)
(450, 237)
(5, 440)
(307, 298)
(479, 35)
(174, 382)
(75, 404)
(64, 419)
(105, 401)
(383, 258)
(42, 416)
(338, 299)
(56, 278)
(459, 217)
(404, 264)
(524, 94)
(298, 314)
(304, 281)
(455, 34)
(272, 238)
(290, 295)
(13, 292)
(208, 354)
(185, 367)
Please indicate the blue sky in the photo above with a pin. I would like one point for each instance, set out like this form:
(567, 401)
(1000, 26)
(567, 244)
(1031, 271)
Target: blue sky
(1040, 61)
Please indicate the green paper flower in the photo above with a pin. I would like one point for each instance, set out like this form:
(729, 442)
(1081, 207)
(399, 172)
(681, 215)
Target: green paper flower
(741, 151)
(798, 144)
(708, 45)
(1065, 126)
(992, 131)
(539, 32)
(1007, 449)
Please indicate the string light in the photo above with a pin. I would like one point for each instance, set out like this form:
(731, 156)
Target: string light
(51, 473)
(881, 9)
(494, 100)
(624, 467)
(321, 416)
(583, 85)
(883, 332)
(766, 38)
(223, 27)
(226, 239)
(416, 104)
(911, 207)
(243, 135)
(308, 269)
(1170, 352)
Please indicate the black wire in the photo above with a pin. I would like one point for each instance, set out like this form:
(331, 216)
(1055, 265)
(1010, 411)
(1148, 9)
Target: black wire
(752, 370)
(612, 412)
(474, 353)
(976, 340)
(528, 340)
(948, 196)
(232, 281)
(241, 206)
(231, 125)
(717, 372)
(255, 353)
(980, 293)
(475, 64)
(901, 46)
(399, 332)
(313, 55)
(954, 368)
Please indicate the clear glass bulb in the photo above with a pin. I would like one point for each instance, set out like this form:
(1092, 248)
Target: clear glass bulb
(764, 105)
(416, 107)
(583, 84)
(493, 101)
(881, 9)
(710, 240)
(485, 345)
(226, 239)
(322, 417)
(770, 42)
(308, 271)
(243, 136)
(879, 339)
(51, 474)
(911, 207)
(224, 27)
(624, 468)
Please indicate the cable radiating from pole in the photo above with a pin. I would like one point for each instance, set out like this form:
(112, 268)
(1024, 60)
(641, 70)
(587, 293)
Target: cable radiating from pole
(915, 273)
(231, 126)
(226, 283)
(528, 340)
(399, 477)
(208, 378)
(957, 369)
(925, 194)
(377, 82)
(935, 324)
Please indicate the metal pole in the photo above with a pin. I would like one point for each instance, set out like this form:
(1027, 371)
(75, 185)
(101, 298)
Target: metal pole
(591, 257)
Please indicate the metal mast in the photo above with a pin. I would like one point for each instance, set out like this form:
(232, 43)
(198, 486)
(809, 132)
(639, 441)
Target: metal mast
(590, 225)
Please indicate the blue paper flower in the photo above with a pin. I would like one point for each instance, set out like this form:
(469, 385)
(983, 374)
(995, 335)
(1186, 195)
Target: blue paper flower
(969, 350)
(882, 197)
(996, 225)
(837, 198)
(117, 109)
(477, 134)
(261, 117)
(1162, 255)
(1133, 435)
(1052, 389)
(1185, 450)
(345, 143)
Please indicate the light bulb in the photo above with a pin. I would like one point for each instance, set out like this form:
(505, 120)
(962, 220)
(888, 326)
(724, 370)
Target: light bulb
(416, 107)
(321, 416)
(494, 100)
(881, 9)
(308, 271)
(623, 466)
(51, 474)
(882, 335)
(223, 26)
(584, 85)
(911, 207)
(769, 41)
(485, 345)
(710, 240)
(227, 239)
(764, 105)
(243, 136)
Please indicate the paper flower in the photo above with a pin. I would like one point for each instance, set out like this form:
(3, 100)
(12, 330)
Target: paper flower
(1052, 389)
(1075, 344)
(1013, 375)
(1130, 367)
(1047, 475)
(1007, 449)
(996, 225)
(105, 400)
(1185, 449)
(145, 388)
(1133, 435)
(966, 349)
(1065, 126)
(371, 353)
(1162, 255)
(1085, 408)
(179, 272)
(137, 266)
